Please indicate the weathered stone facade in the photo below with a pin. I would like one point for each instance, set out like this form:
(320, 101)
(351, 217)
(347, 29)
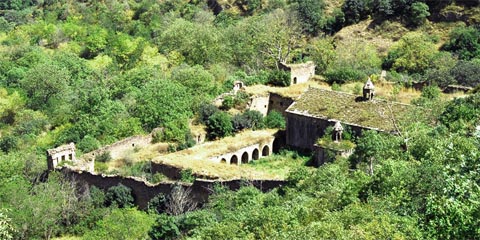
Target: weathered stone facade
(299, 73)
(63, 153)
(246, 154)
(259, 103)
(279, 103)
(119, 148)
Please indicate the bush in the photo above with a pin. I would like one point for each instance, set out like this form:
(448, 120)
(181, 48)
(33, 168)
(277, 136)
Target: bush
(249, 119)
(419, 13)
(120, 196)
(164, 228)
(219, 125)
(228, 102)
(275, 119)
(186, 175)
(100, 167)
(279, 78)
(343, 75)
(464, 42)
(8, 143)
(88, 144)
(205, 111)
(103, 157)
(157, 204)
(466, 73)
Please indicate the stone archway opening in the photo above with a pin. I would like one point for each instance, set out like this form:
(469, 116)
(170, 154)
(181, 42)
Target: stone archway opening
(234, 160)
(223, 160)
(255, 154)
(265, 151)
(244, 158)
(295, 80)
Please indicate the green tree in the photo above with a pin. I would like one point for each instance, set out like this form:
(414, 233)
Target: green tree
(311, 14)
(464, 42)
(275, 119)
(163, 103)
(219, 125)
(419, 13)
(126, 223)
(413, 53)
(6, 228)
(120, 196)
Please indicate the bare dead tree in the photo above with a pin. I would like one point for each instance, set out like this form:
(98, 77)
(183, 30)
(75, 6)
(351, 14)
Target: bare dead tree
(180, 201)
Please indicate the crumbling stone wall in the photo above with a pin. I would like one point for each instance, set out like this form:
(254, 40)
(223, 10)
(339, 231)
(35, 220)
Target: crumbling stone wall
(302, 131)
(63, 153)
(143, 191)
(299, 73)
(259, 103)
(323, 155)
(279, 103)
(119, 148)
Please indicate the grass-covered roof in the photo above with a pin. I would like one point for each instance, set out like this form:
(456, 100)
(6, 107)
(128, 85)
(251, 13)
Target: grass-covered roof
(350, 109)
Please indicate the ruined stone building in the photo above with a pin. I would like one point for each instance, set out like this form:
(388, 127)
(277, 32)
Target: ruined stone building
(63, 153)
(315, 110)
(299, 73)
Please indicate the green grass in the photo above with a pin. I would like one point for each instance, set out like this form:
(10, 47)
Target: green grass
(280, 164)
(325, 104)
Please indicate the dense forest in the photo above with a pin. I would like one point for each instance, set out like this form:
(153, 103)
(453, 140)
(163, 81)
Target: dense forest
(94, 72)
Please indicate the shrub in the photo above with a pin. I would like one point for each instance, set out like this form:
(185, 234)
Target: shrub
(100, 167)
(186, 175)
(279, 78)
(464, 42)
(158, 177)
(205, 111)
(275, 119)
(157, 204)
(219, 125)
(419, 13)
(120, 196)
(164, 228)
(103, 157)
(228, 102)
(343, 74)
(466, 73)
(88, 144)
(8, 143)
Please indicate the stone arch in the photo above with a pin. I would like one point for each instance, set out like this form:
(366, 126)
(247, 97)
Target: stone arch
(295, 80)
(223, 160)
(234, 160)
(265, 151)
(277, 145)
(255, 154)
(244, 157)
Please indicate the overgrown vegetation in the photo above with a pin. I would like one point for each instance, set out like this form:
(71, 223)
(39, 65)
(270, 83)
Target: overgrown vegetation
(94, 72)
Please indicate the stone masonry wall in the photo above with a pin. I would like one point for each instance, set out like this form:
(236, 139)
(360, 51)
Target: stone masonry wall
(143, 192)
(119, 148)
(259, 103)
(279, 103)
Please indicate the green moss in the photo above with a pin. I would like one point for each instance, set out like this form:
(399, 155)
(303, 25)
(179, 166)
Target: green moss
(350, 109)
(343, 145)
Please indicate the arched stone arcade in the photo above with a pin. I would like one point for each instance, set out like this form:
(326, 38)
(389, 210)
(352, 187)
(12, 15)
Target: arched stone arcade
(245, 159)
(234, 160)
(265, 151)
(255, 154)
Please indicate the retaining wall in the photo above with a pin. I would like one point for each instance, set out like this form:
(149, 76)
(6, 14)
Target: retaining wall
(143, 191)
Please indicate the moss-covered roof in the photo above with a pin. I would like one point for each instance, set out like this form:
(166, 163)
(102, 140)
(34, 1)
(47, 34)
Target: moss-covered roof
(349, 109)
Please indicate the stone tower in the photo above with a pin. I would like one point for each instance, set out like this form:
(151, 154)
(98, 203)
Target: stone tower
(337, 131)
(368, 90)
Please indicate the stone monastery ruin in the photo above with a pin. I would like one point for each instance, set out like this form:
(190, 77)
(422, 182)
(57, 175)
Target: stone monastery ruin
(307, 118)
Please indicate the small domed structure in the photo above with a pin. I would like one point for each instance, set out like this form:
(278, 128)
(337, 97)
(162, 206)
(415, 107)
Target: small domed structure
(368, 90)
(337, 131)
